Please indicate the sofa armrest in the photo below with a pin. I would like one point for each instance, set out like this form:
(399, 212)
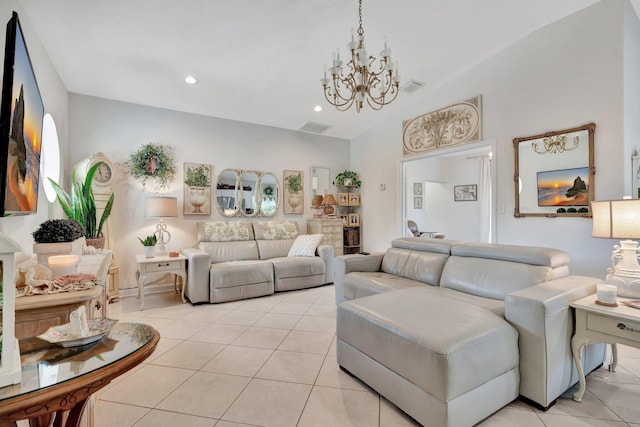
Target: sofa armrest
(198, 266)
(345, 264)
(545, 325)
(326, 253)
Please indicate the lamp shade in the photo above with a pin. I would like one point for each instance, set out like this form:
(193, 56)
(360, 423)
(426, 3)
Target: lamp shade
(616, 219)
(161, 207)
(328, 200)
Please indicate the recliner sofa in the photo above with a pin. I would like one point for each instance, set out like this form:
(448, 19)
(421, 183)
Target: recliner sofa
(235, 260)
(450, 332)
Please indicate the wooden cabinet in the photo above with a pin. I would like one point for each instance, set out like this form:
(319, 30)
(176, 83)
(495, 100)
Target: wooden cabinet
(350, 213)
(331, 229)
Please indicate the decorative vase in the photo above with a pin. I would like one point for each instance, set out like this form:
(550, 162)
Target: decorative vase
(45, 250)
(294, 201)
(197, 198)
(149, 251)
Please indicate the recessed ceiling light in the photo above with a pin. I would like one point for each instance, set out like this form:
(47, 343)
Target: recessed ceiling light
(317, 108)
(191, 80)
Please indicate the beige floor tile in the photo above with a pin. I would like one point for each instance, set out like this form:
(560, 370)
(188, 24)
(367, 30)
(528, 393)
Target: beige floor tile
(621, 375)
(172, 312)
(291, 308)
(307, 342)
(219, 333)
(245, 361)
(316, 324)
(627, 351)
(172, 328)
(332, 407)
(147, 386)
(278, 321)
(322, 310)
(332, 347)
(239, 317)
(109, 414)
(590, 407)
(205, 394)
(263, 305)
(157, 418)
(291, 367)
(269, 403)
(552, 420)
(164, 345)
(621, 398)
(189, 355)
(509, 417)
(391, 416)
(300, 297)
(223, 423)
(332, 376)
(206, 314)
(261, 338)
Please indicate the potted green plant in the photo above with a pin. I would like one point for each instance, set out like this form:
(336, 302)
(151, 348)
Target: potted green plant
(80, 205)
(348, 178)
(57, 237)
(149, 244)
(197, 178)
(151, 161)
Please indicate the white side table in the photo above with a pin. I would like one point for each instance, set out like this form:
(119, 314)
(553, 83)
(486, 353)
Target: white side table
(160, 264)
(596, 323)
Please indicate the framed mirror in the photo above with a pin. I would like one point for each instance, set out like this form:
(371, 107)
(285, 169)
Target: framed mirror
(555, 173)
(226, 192)
(247, 193)
(320, 181)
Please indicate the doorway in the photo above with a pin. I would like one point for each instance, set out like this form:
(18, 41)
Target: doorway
(452, 192)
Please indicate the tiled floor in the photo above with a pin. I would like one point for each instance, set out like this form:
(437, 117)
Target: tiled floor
(271, 362)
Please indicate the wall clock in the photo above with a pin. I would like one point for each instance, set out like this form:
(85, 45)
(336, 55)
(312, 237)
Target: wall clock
(103, 178)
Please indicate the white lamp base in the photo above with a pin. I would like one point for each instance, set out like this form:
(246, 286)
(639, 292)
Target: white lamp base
(625, 274)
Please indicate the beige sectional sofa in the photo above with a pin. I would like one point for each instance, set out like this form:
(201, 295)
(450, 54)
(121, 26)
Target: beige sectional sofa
(235, 260)
(450, 332)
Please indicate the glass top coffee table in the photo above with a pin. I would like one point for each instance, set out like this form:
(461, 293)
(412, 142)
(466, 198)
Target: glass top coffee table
(56, 380)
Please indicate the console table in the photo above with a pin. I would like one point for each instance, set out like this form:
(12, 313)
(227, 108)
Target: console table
(56, 382)
(596, 323)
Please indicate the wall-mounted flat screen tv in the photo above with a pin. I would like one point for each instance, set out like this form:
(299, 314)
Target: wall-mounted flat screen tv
(21, 113)
(564, 187)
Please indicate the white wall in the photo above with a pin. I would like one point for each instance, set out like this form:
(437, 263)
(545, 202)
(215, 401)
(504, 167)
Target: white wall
(118, 128)
(565, 74)
(631, 93)
(55, 99)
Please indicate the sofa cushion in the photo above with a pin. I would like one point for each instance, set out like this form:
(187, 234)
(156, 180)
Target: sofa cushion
(305, 245)
(275, 230)
(360, 284)
(240, 273)
(230, 251)
(445, 346)
(223, 231)
(425, 267)
(297, 272)
(268, 249)
(425, 245)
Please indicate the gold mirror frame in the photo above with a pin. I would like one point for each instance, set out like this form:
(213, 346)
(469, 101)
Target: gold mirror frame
(568, 151)
(264, 204)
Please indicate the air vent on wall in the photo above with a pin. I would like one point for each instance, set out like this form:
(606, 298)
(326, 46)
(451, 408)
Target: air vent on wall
(411, 86)
(314, 127)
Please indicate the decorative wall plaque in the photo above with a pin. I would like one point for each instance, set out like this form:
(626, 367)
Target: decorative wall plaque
(456, 124)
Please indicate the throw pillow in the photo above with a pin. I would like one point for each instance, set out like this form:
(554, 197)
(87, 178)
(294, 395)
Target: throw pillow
(305, 245)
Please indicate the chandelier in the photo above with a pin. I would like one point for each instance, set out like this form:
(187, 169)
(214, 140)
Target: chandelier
(360, 79)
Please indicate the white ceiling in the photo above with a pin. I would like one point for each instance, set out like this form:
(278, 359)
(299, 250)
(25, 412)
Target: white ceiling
(261, 61)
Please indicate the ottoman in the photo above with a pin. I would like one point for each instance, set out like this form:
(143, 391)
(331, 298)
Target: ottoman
(443, 361)
(236, 280)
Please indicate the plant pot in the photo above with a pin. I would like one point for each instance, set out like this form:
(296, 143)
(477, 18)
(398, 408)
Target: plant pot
(197, 198)
(294, 201)
(149, 251)
(97, 242)
(347, 181)
(45, 250)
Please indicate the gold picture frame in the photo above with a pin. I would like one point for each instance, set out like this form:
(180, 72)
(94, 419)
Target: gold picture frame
(354, 199)
(354, 220)
(343, 199)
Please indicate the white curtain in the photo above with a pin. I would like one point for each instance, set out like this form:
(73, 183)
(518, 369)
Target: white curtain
(484, 200)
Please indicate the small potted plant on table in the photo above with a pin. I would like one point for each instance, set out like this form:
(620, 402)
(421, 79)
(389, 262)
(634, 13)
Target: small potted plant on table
(149, 244)
(57, 237)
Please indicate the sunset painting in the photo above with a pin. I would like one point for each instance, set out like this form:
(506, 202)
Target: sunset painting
(566, 187)
(24, 129)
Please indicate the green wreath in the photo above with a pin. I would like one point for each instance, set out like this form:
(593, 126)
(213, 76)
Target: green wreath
(152, 161)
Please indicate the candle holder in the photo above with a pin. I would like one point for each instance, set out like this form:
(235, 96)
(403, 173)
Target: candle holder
(61, 265)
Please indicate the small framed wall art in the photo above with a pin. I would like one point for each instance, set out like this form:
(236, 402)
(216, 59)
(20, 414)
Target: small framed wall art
(354, 199)
(465, 193)
(417, 202)
(417, 189)
(294, 192)
(354, 220)
(343, 199)
(197, 189)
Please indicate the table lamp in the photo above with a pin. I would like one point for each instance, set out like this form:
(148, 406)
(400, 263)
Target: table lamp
(620, 219)
(161, 207)
(328, 201)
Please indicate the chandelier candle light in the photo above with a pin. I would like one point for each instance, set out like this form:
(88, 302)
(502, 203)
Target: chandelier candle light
(360, 81)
